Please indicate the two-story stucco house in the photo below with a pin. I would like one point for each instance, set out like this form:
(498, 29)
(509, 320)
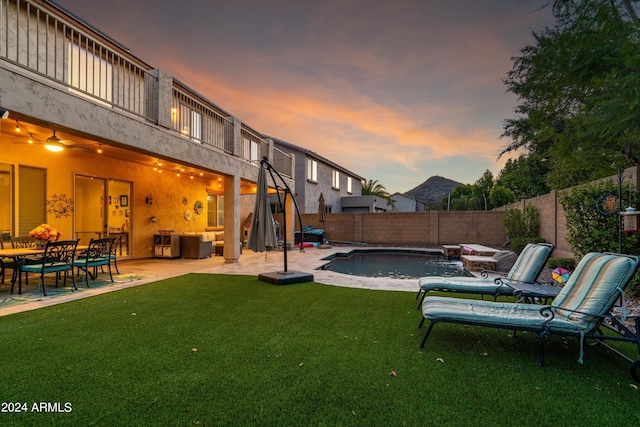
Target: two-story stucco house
(95, 141)
(317, 175)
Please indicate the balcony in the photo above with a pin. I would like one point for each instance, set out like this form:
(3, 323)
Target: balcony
(46, 43)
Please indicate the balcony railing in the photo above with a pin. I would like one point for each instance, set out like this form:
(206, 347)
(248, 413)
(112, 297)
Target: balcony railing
(48, 45)
(199, 122)
(282, 162)
(254, 147)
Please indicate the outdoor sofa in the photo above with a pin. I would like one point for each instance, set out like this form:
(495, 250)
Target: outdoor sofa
(201, 244)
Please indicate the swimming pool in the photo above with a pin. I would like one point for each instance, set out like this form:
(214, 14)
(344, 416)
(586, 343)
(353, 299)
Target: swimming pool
(394, 263)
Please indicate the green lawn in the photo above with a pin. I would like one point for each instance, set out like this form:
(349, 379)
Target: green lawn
(231, 350)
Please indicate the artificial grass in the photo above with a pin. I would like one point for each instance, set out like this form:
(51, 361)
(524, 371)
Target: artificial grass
(231, 350)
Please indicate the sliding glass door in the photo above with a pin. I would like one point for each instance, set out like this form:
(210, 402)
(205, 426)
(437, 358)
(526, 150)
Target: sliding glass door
(102, 208)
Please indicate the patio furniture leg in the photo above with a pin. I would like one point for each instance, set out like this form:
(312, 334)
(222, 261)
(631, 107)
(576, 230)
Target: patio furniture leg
(421, 300)
(44, 288)
(543, 334)
(426, 335)
(634, 370)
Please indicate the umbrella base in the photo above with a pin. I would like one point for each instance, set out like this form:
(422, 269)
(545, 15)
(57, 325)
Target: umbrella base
(285, 277)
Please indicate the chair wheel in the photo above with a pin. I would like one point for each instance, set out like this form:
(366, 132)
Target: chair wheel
(634, 370)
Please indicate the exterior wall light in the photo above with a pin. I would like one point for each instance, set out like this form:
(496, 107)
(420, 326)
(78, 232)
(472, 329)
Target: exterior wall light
(149, 199)
(4, 113)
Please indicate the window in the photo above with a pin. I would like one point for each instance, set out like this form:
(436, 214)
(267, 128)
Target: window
(196, 125)
(250, 149)
(31, 201)
(349, 185)
(215, 210)
(89, 73)
(187, 121)
(6, 191)
(335, 179)
(312, 170)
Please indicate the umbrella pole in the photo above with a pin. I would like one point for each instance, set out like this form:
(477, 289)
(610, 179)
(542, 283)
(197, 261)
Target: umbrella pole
(284, 229)
(285, 277)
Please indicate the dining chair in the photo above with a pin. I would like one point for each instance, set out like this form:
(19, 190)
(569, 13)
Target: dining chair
(117, 241)
(58, 257)
(98, 254)
(25, 242)
(6, 263)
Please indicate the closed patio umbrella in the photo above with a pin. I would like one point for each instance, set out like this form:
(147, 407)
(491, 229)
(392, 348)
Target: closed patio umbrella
(322, 215)
(263, 233)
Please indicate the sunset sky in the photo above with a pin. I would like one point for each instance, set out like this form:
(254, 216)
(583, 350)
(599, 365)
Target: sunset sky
(396, 91)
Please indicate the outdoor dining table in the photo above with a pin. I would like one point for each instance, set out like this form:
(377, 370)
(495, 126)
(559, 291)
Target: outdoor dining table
(17, 254)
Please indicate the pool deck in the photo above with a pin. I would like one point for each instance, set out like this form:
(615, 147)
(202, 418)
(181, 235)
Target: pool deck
(250, 263)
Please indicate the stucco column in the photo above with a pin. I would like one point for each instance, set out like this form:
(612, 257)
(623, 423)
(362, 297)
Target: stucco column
(232, 237)
(165, 98)
(237, 137)
(270, 147)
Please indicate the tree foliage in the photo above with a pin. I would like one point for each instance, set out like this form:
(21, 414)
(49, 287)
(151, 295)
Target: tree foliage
(374, 188)
(579, 92)
(500, 196)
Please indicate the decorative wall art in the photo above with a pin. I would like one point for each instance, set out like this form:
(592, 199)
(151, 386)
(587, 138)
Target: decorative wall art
(60, 206)
(198, 207)
(124, 201)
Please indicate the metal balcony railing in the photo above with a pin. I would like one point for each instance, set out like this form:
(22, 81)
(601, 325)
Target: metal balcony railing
(199, 122)
(282, 162)
(50, 46)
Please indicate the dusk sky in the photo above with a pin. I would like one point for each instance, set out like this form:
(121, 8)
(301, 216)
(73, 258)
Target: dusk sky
(396, 91)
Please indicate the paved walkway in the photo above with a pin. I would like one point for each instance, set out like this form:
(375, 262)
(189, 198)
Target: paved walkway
(250, 263)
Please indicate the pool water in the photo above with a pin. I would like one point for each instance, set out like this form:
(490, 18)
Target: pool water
(396, 264)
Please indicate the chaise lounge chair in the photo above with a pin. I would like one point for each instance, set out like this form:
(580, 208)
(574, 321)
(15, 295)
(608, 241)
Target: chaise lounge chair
(578, 310)
(524, 272)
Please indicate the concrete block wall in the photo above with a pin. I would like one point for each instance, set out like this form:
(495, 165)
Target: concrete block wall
(413, 228)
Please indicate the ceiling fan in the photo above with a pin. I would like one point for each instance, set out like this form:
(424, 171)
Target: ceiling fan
(54, 144)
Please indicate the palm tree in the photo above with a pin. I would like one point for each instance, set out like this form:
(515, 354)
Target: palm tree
(374, 188)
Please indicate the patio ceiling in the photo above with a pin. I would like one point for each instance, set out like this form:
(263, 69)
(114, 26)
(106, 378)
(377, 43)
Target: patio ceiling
(32, 133)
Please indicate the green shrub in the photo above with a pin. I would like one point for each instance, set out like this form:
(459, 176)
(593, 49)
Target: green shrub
(521, 223)
(566, 263)
(593, 218)
(518, 243)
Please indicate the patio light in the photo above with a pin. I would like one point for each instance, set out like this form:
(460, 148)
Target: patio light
(630, 220)
(4, 113)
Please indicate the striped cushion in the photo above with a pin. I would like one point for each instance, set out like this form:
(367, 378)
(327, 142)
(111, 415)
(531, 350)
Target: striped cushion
(529, 263)
(597, 282)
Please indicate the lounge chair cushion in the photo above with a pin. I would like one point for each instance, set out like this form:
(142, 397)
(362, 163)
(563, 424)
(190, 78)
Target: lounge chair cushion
(529, 263)
(491, 313)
